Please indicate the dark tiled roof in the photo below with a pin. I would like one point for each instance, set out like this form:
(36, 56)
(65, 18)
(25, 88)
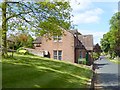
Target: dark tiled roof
(87, 41)
(74, 32)
(97, 48)
(38, 40)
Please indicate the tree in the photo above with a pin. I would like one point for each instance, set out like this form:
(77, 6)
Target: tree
(111, 40)
(20, 40)
(4, 29)
(39, 17)
(0, 37)
(105, 43)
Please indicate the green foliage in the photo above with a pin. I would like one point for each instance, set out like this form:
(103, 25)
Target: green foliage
(82, 61)
(22, 50)
(45, 17)
(115, 60)
(111, 40)
(26, 71)
(0, 36)
(21, 40)
(95, 55)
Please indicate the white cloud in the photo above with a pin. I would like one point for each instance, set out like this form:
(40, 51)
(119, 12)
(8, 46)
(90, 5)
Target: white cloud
(78, 5)
(89, 16)
(93, 32)
(84, 12)
(115, 10)
(105, 0)
(96, 35)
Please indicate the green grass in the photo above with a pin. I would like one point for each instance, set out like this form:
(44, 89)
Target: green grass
(115, 61)
(27, 71)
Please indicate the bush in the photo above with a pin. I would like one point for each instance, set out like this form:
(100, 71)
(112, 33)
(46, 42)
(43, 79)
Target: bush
(82, 61)
(95, 56)
(22, 50)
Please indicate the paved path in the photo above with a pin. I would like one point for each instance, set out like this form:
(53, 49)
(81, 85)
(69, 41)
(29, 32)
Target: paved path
(36, 52)
(106, 75)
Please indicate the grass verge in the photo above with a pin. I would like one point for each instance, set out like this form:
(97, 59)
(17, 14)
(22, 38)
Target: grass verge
(27, 71)
(115, 61)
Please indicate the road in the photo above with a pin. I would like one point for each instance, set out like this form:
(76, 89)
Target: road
(107, 75)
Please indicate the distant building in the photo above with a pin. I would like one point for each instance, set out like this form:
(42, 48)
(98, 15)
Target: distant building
(97, 48)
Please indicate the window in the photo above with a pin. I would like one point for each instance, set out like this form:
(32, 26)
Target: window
(57, 38)
(80, 54)
(37, 45)
(57, 54)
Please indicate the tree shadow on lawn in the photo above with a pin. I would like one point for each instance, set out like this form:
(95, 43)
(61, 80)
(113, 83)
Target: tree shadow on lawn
(37, 61)
(22, 76)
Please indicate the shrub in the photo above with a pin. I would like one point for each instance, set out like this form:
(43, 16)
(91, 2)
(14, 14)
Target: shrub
(82, 61)
(95, 56)
(22, 50)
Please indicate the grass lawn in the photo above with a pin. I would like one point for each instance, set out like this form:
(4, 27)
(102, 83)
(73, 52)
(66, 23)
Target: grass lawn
(27, 71)
(115, 61)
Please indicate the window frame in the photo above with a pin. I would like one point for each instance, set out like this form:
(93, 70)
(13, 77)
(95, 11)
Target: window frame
(81, 54)
(57, 38)
(59, 54)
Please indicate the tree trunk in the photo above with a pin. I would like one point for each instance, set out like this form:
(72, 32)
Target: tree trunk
(4, 29)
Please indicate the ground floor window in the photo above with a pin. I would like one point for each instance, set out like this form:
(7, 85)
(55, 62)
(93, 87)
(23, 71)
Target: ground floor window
(57, 54)
(81, 54)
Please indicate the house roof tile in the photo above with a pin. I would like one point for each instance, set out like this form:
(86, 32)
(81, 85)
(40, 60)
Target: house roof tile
(87, 41)
(38, 40)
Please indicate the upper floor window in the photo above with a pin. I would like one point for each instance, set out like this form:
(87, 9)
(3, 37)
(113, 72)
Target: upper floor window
(38, 45)
(57, 38)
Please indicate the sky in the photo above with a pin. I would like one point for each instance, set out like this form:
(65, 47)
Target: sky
(92, 16)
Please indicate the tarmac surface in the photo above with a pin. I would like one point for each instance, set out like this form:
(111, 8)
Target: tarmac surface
(107, 75)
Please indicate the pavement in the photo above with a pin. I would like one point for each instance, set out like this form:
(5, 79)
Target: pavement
(107, 75)
(36, 52)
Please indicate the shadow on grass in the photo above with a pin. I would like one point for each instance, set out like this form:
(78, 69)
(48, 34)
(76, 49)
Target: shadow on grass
(34, 72)
(21, 76)
(37, 61)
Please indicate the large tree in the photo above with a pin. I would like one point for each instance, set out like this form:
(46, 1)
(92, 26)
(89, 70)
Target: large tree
(0, 37)
(38, 17)
(111, 40)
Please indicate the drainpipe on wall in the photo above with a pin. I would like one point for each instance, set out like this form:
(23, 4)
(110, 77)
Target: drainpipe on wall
(77, 37)
(76, 34)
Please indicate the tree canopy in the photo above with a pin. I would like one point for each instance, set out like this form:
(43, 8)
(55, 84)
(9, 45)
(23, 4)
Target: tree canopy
(39, 18)
(111, 40)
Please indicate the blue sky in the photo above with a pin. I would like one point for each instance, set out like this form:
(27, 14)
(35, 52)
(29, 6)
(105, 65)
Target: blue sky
(92, 16)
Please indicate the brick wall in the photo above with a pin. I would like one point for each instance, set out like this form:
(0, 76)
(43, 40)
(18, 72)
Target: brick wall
(67, 47)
